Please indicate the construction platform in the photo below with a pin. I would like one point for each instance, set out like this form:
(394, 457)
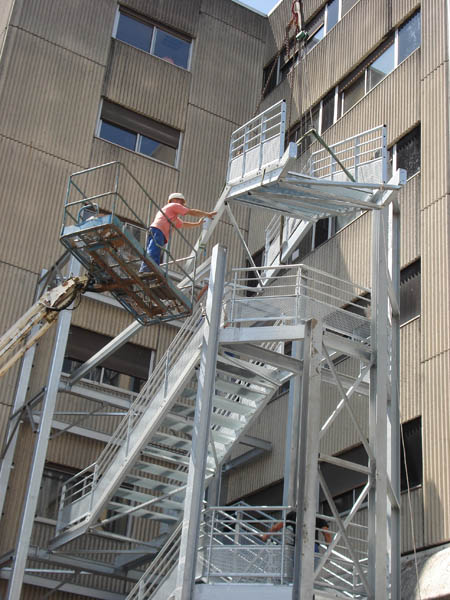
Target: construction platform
(111, 246)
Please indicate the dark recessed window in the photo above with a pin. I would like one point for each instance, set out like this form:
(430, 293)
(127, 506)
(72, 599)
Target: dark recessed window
(406, 153)
(128, 368)
(138, 133)
(252, 275)
(411, 456)
(410, 292)
(138, 32)
(53, 479)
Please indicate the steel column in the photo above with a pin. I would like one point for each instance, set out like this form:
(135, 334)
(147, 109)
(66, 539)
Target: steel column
(307, 478)
(40, 450)
(201, 433)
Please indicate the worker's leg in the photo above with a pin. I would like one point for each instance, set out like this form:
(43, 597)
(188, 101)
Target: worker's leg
(155, 242)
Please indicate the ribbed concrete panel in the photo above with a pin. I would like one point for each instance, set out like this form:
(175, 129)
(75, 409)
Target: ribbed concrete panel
(179, 14)
(434, 35)
(337, 54)
(409, 200)
(30, 240)
(347, 254)
(40, 86)
(73, 451)
(407, 524)
(392, 102)
(5, 412)
(147, 85)
(222, 82)
(267, 469)
(435, 285)
(436, 448)
(410, 380)
(203, 166)
(81, 26)
(158, 179)
(434, 144)
(237, 16)
(402, 9)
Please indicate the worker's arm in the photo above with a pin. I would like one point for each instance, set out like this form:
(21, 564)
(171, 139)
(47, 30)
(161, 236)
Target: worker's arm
(327, 534)
(195, 212)
(190, 225)
(273, 529)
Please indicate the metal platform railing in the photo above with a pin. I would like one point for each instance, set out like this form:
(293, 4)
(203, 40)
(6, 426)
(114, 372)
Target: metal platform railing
(364, 156)
(258, 143)
(299, 294)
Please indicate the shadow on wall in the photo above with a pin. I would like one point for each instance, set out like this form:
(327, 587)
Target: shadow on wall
(433, 565)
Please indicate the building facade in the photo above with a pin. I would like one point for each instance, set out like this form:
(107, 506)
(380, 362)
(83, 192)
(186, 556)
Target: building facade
(160, 86)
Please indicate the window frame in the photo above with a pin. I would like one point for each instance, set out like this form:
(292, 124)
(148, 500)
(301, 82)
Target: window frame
(393, 150)
(139, 135)
(155, 26)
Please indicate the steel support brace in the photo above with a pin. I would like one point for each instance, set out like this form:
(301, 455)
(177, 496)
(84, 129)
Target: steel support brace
(200, 440)
(40, 451)
(307, 474)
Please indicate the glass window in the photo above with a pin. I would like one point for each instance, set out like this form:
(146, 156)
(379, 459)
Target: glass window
(408, 152)
(172, 49)
(118, 135)
(136, 132)
(353, 93)
(383, 65)
(411, 455)
(332, 14)
(51, 484)
(145, 36)
(321, 232)
(409, 37)
(410, 292)
(134, 32)
(315, 38)
(328, 111)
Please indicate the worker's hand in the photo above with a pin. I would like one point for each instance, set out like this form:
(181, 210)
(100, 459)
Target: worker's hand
(265, 537)
(212, 214)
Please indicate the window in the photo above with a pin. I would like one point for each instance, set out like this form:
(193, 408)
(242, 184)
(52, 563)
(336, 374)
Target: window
(411, 455)
(410, 292)
(252, 276)
(405, 154)
(53, 478)
(128, 368)
(135, 132)
(135, 30)
(400, 44)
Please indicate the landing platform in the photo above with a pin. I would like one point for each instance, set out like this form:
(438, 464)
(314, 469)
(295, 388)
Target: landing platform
(280, 189)
(112, 255)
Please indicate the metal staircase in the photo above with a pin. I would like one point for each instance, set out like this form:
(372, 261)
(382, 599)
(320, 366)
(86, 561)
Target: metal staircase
(159, 427)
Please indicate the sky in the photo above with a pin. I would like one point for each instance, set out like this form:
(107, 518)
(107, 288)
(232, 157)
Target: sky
(263, 6)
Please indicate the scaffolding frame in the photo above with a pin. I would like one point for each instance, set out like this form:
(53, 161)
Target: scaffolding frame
(382, 579)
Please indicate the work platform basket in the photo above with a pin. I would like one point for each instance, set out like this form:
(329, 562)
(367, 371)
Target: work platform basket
(107, 214)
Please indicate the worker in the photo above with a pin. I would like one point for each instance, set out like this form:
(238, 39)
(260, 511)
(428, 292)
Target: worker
(291, 519)
(167, 217)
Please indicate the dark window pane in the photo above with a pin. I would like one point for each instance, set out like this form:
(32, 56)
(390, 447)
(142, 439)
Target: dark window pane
(321, 232)
(408, 152)
(171, 48)
(354, 93)
(157, 150)
(117, 135)
(409, 37)
(51, 485)
(347, 5)
(315, 38)
(411, 455)
(332, 14)
(134, 32)
(410, 292)
(381, 67)
(328, 111)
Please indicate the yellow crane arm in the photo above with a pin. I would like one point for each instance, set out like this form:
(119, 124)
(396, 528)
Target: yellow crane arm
(17, 340)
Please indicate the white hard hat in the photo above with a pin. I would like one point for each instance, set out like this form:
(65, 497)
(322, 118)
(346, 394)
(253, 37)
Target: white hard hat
(176, 195)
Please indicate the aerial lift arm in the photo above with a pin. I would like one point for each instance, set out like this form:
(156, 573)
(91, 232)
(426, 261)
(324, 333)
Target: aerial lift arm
(17, 340)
